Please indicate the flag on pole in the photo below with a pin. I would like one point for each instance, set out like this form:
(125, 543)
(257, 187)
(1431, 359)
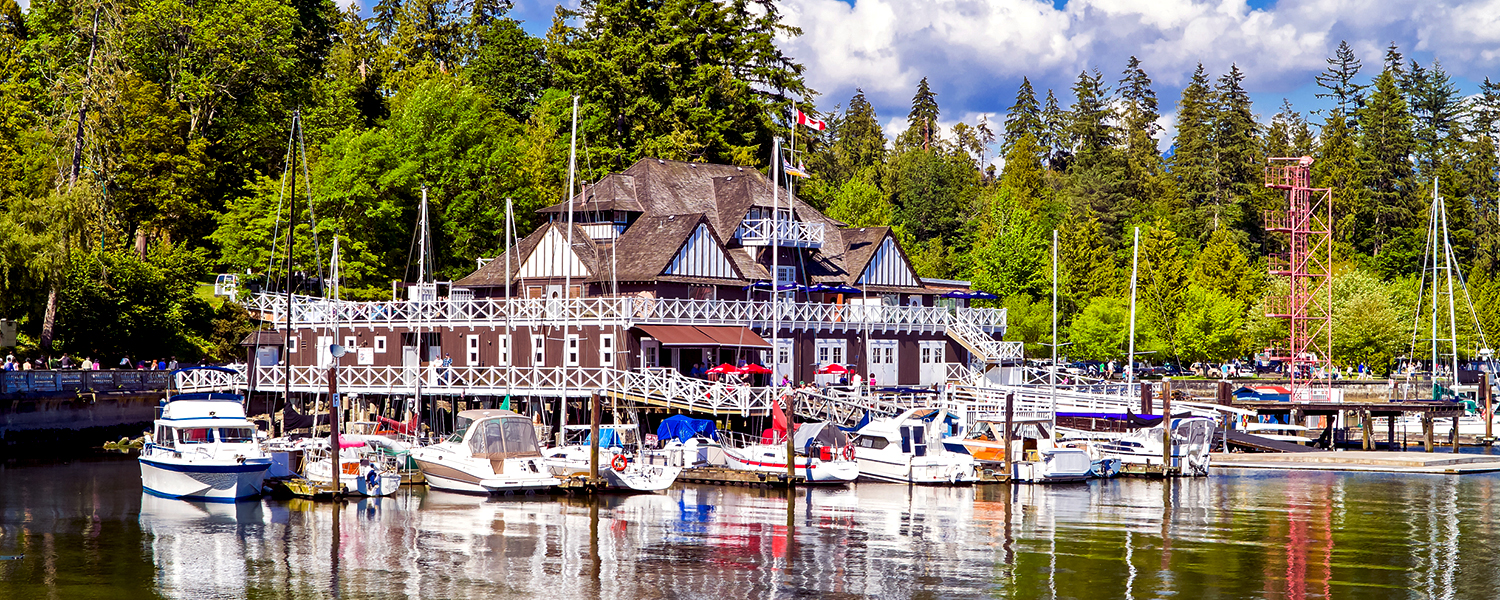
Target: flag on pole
(793, 170)
(803, 119)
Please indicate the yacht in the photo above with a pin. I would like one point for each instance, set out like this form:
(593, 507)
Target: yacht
(908, 448)
(1191, 440)
(490, 452)
(621, 465)
(202, 448)
(823, 454)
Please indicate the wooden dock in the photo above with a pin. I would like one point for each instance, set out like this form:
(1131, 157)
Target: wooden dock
(1383, 462)
(727, 476)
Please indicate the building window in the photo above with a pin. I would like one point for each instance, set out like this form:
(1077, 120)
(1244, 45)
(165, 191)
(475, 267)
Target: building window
(607, 350)
(786, 276)
(571, 356)
(291, 347)
(350, 342)
(914, 300)
(534, 292)
(538, 351)
(471, 343)
(831, 352)
(701, 292)
(650, 354)
(380, 344)
(504, 351)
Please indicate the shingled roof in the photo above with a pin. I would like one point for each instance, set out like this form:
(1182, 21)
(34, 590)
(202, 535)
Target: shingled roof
(672, 198)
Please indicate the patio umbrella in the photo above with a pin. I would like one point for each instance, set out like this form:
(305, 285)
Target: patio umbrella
(724, 369)
(833, 370)
(755, 370)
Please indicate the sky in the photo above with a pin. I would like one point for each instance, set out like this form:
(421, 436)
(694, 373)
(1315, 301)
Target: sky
(975, 52)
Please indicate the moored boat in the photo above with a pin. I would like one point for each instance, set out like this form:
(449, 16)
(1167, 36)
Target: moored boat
(490, 452)
(823, 454)
(202, 448)
(908, 448)
(621, 464)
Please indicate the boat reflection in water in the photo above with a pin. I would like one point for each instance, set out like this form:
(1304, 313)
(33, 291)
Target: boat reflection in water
(1237, 534)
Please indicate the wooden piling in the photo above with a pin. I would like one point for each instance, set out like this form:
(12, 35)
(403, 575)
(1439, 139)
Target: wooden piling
(1010, 414)
(1427, 432)
(1453, 436)
(1166, 423)
(1145, 398)
(594, 419)
(1366, 422)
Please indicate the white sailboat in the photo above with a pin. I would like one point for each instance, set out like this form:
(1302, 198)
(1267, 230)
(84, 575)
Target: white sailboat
(823, 454)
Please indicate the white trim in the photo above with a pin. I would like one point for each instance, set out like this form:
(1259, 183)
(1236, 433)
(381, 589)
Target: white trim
(701, 256)
(380, 344)
(552, 258)
(538, 350)
(503, 350)
(471, 350)
(607, 350)
(572, 350)
(888, 267)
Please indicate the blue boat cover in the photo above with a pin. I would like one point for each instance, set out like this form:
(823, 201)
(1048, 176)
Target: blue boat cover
(684, 428)
(608, 438)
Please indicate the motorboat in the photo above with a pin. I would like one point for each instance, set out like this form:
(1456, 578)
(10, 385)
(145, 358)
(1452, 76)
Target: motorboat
(202, 448)
(688, 442)
(1192, 437)
(908, 448)
(1039, 459)
(490, 452)
(361, 471)
(622, 465)
(823, 454)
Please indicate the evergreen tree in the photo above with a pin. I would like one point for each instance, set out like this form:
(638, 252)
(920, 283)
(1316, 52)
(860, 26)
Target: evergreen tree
(1236, 158)
(1163, 281)
(1437, 109)
(1024, 117)
(1138, 119)
(1087, 261)
(859, 142)
(1386, 138)
(1024, 174)
(1091, 128)
(922, 120)
(1338, 79)
(1193, 148)
(1054, 140)
(1223, 267)
(1288, 134)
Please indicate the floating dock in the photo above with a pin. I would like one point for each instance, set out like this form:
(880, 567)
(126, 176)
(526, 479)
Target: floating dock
(1382, 462)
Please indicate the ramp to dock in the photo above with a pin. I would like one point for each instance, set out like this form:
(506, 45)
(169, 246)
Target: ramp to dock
(1249, 441)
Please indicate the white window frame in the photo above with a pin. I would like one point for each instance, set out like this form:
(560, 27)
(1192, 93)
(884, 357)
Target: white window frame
(832, 351)
(471, 349)
(380, 344)
(504, 351)
(650, 353)
(607, 350)
(351, 343)
(291, 344)
(786, 275)
(572, 350)
(538, 350)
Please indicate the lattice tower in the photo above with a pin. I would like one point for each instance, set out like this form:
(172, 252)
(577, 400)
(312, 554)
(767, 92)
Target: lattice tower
(1307, 263)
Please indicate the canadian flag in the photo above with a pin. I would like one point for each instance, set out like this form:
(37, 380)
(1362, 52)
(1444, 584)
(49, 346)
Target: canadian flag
(803, 119)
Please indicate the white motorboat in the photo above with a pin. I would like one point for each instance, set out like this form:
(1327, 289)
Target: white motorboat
(823, 454)
(1191, 440)
(202, 448)
(688, 442)
(622, 466)
(1054, 464)
(908, 448)
(1038, 458)
(490, 452)
(361, 472)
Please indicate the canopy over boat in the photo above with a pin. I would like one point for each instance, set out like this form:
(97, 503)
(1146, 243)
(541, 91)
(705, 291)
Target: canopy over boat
(821, 433)
(684, 428)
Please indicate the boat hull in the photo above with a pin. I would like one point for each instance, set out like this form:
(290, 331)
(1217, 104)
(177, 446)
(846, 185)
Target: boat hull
(384, 483)
(204, 481)
(812, 471)
(915, 470)
(454, 476)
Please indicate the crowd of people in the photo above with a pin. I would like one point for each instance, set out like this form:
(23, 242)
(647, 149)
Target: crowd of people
(66, 362)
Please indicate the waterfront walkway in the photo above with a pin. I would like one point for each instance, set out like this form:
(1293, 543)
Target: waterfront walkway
(1388, 462)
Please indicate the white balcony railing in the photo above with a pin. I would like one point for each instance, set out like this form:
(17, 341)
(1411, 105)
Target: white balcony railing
(317, 312)
(794, 234)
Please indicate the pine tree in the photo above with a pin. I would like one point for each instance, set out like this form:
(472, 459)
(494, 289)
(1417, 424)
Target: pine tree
(1192, 150)
(1024, 117)
(1338, 79)
(1091, 130)
(1236, 160)
(924, 115)
(1024, 174)
(1163, 280)
(1139, 114)
(1385, 133)
(1087, 261)
(1055, 128)
(1437, 109)
(1223, 267)
(859, 142)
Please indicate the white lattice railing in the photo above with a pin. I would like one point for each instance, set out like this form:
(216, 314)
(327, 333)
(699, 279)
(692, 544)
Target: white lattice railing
(797, 234)
(210, 380)
(986, 349)
(317, 312)
(544, 381)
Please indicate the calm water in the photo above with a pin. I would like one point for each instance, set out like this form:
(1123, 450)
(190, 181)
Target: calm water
(83, 530)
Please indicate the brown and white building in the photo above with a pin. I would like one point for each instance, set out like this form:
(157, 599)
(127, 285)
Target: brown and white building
(666, 265)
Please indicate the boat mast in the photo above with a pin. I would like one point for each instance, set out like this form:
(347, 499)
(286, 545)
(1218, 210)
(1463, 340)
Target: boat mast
(334, 414)
(568, 268)
(1135, 263)
(1053, 375)
(776, 267)
(286, 338)
(421, 279)
(510, 342)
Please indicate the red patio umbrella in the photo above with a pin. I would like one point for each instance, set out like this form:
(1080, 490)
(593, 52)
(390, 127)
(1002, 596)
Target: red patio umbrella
(755, 370)
(833, 370)
(724, 369)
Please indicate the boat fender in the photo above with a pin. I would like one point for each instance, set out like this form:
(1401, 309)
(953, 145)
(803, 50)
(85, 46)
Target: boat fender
(619, 463)
(849, 452)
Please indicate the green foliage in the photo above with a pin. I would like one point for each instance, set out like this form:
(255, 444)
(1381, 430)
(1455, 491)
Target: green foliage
(1030, 322)
(510, 66)
(860, 203)
(114, 304)
(1209, 325)
(1101, 331)
(933, 191)
(1009, 251)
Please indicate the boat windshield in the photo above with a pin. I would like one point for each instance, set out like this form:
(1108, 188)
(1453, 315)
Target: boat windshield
(504, 438)
(193, 435)
(461, 426)
(236, 435)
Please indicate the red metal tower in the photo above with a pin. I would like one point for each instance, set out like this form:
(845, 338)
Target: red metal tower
(1307, 263)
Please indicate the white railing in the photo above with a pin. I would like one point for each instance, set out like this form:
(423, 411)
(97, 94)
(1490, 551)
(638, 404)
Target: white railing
(986, 349)
(210, 380)
(317, 312)
(437, 380)
(797, 234)
(667, 386)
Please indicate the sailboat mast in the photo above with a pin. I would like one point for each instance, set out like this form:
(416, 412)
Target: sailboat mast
(1433, 233)
(776, 263)
(422, 239)
(1053, 375)
(1448, 260)
(1135, 264)
(510, 342)
(568, 266)
(291, 225)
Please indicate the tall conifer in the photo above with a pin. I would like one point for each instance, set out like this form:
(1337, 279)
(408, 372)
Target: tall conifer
(1024, 117)
(1192, 149)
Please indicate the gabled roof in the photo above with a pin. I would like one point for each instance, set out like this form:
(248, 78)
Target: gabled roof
(649, 245)
(492, 274)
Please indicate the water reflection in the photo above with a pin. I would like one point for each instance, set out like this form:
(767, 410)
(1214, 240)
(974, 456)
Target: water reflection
(84, 529)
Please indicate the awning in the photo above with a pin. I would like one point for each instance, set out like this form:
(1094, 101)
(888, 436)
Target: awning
(688, 335)
(735, 336)
(678, 335)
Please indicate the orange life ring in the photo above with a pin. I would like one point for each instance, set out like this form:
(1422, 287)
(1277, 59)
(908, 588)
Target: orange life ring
(849, 452)
(619, 463)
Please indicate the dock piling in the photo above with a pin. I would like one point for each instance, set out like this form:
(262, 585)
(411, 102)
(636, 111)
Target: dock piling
(1166, 423)
(1366, 422)
(594, 438)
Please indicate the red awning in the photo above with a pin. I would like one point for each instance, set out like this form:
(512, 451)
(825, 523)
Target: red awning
(735, 336)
